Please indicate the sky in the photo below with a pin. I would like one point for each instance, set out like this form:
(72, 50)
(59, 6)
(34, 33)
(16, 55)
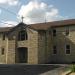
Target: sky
(35, 11)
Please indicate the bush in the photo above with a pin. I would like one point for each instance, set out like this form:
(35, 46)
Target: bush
(73, 68)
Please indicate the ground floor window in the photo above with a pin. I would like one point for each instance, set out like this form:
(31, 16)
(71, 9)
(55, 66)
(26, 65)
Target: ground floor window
(67, 49)
(54, 50)
(2, 52)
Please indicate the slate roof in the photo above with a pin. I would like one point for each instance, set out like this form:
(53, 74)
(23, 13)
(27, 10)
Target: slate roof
(44, 26)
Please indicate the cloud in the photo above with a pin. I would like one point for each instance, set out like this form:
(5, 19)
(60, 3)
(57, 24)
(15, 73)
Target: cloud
(8, 24)
(35, 12)
(10, 2)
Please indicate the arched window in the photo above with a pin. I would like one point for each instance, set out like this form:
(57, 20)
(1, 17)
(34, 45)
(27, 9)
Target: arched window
(22, 35)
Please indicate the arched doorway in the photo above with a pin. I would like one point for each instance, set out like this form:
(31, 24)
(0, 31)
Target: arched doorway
(22, 55)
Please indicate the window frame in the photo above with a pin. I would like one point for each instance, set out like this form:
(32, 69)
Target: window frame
(69, 49)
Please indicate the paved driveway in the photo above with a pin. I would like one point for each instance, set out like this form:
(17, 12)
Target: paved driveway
(57, 71)
(22, 69)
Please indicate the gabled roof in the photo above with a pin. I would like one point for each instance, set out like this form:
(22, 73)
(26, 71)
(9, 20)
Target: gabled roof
(6, 29)
(43, 26)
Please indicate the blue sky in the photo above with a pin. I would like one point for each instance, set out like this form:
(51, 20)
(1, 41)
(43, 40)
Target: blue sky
(35, 11)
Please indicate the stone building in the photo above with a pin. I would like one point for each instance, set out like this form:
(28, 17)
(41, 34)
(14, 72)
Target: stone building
(51, 42)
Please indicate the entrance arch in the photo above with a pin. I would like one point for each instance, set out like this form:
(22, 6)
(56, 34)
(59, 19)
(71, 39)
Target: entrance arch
(22, 54)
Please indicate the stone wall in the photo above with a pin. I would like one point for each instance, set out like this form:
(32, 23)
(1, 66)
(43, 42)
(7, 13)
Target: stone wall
(60, 41)
(3, 44)
(31, 44)
(33, 47)
(44, 50)
(48, 46)
(42, 46)
(39, 45)
(11, 52)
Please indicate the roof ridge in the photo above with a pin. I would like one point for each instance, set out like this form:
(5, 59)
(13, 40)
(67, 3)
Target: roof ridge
(44, 26)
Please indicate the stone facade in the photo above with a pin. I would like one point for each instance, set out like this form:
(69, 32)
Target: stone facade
(61, 40)
(39, 45)
(10, 45)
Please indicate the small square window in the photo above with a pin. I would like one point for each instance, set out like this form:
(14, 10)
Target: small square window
(2, 51)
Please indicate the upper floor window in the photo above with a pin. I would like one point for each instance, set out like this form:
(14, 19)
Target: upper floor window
(54, 50)
(3, 36)
(67, 49)
(42, 34)
(54, 32)
(67, 31)
(22, 35)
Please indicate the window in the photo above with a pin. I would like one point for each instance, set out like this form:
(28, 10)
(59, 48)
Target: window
(2, 52)
(67, 31)
(67, 49)
(3, 36)
(54, 32)
(22, 35)
(42, 34)
(54, 50)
